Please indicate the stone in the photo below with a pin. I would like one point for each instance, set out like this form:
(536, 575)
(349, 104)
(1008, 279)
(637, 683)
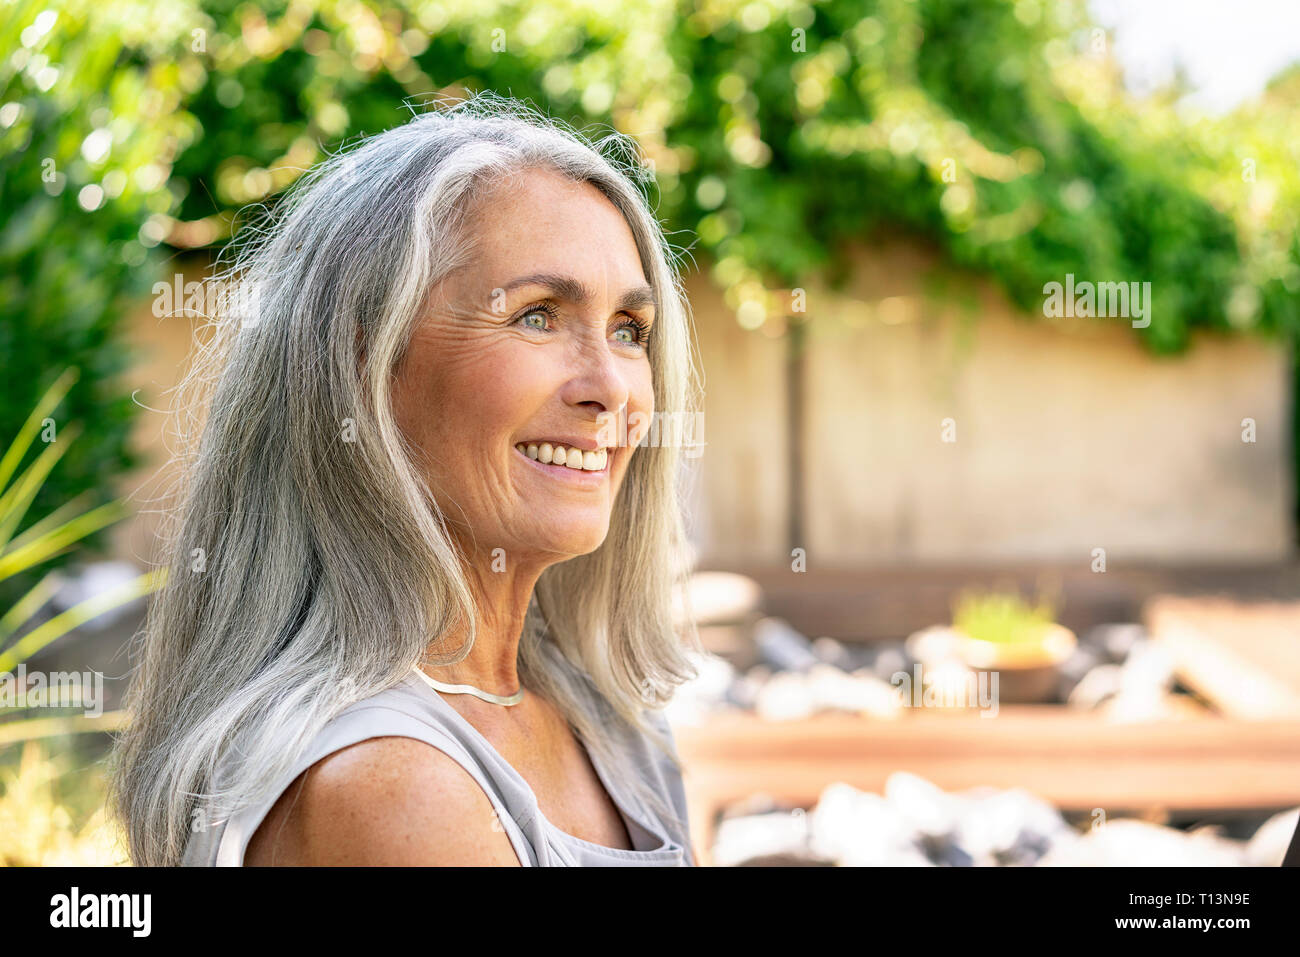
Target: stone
(833, 689)
(858, 829)
(785, 697)
(1132, 843)
(781, 646)
(1269, 845)
(1096, 686)
(740, 839)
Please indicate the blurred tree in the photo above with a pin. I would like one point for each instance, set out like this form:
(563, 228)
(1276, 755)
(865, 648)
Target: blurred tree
(89, 122)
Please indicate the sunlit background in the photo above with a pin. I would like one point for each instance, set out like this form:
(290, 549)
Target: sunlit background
(917, 473)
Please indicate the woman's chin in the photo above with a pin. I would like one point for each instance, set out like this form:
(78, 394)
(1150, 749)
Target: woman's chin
(577, 540)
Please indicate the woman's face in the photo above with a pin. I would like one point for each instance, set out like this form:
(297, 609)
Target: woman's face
(534, 341)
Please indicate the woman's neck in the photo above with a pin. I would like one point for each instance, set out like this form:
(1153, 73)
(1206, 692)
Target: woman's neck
(501, 601)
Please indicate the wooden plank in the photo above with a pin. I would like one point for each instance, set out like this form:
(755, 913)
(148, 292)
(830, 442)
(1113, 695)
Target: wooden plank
(1242, 657)
(1078, 761)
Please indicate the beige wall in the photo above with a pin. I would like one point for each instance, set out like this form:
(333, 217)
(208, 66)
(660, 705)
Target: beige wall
(1069, 436)
(162, 350)
(740, 482)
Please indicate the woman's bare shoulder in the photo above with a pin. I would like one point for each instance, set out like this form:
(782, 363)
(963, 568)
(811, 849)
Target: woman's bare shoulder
(383, 801)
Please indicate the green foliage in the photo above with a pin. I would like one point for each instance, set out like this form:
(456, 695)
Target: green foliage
(22, 553)
(70, 260)
(780, 131)
(1001, 616)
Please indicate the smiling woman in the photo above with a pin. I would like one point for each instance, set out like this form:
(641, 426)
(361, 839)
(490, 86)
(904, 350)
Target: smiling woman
(418, 608)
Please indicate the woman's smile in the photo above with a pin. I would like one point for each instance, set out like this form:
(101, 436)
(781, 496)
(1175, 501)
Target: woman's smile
(556, 461)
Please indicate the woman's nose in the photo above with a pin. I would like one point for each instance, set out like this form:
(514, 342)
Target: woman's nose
(598, 376)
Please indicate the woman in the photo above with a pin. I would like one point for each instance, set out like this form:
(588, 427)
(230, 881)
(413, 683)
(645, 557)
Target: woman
(419, 601)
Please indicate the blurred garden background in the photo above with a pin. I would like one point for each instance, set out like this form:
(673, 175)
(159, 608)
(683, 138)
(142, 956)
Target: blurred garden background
(870, 199)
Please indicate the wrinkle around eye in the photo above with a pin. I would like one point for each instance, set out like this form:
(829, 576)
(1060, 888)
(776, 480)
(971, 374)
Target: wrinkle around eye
(641, 328)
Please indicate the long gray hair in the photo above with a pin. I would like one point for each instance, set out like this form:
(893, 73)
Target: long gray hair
(306, 573)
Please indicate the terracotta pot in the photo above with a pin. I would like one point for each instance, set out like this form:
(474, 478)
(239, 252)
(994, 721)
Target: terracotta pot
(1028, 671)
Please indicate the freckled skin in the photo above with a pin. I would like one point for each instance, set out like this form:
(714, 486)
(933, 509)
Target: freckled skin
(471, 384)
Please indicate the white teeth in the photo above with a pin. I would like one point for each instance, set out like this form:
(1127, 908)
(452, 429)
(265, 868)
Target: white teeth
(550, 454)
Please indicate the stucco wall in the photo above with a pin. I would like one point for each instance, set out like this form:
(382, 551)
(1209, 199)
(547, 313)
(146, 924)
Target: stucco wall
(1069, 436)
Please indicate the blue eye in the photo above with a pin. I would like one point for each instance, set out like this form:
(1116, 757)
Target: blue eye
(546, 312)
(640, 331)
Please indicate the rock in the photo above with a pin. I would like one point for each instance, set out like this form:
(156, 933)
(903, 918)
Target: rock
(1008, 828)
(928, 809)
(832, 652)
(1116, 640)
(933, 645)
(862, 693)
(881, 699)
(1269, 845)
(1096, 686)
(889, 661)
(741, 839)
(1132, 843)
(943, 852)
(950, 684)
(791, 695)
(743, 692)
(847, 656)
(1148, 668)
(917, 824)
(716, 598)
(1074, 669)
(759, 675)
(714, 676)
(707, 692)
(781, 646)
(1144, 681)
(785, 697)
(786, 859)
(857, 829)
(1133, 708)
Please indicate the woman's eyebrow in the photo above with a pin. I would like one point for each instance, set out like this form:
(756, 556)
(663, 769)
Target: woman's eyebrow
(571, 289)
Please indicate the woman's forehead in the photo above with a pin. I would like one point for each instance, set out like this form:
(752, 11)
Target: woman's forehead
(510, 214)
(532, 232)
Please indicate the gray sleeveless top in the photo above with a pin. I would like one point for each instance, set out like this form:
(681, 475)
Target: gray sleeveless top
(412, 709)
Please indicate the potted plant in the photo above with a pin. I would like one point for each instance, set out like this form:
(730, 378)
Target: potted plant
(1000, 631)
